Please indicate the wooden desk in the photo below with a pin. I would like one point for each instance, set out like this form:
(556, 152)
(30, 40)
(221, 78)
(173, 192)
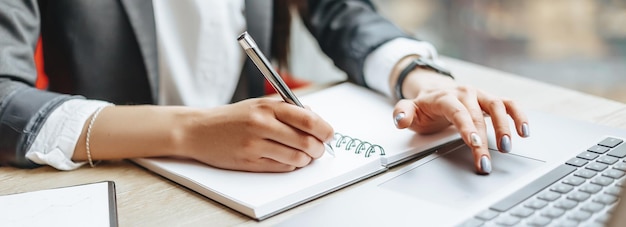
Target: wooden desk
(146, 199)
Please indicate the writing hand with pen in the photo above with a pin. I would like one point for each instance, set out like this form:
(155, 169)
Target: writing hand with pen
(258, 135)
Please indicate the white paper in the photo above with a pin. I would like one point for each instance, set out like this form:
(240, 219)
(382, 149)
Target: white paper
(83, 205)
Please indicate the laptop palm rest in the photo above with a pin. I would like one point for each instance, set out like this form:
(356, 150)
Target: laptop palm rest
(450, 179)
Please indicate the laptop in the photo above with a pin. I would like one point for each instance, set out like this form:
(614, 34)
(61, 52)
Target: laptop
(568, 173)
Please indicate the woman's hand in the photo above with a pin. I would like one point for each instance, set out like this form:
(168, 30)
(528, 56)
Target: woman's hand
(439, 101)
(260, 135)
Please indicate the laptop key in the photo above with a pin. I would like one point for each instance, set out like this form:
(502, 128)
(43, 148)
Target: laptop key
(602, 180)
(549, 196)
(598, 149)
(578, 196)
(619, 151)
(566, 204)
(613, 190)
(539, 221)
(574, 180)
(536, 204)
(596, 166)
(561, 188)
(473, 222)
(568, 222)
(607, 160)
(592, 207)
(585, 173)
(590, 188)
(605, 199)
(532, 188)
(610, 142)
(507, 220)
(587, 155)
(613, 173)
(522, 212)
(552, 212)
(487, 215)
(579, 215)
(620, 166)
(577, 162)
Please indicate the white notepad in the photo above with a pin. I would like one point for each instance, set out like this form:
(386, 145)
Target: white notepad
(362, 115)
(82, 205)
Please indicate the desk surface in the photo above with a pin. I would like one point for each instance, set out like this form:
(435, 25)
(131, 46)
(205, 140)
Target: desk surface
(146, 199)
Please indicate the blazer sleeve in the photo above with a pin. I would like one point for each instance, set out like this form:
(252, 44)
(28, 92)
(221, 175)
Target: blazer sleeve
(347, 31)
(23, 108)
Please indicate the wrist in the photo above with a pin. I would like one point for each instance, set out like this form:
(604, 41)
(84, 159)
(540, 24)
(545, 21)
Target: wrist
(415, 65)
(424, 81)
(184, 128)
(397, 69)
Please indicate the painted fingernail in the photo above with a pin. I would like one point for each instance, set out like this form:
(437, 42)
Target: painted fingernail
(475, 139)
(525, 130)
(398, 117)
(505, 144)
(485, 164)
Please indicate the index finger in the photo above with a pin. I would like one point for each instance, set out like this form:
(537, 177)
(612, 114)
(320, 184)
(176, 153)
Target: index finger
(305, 120)
(467, 116)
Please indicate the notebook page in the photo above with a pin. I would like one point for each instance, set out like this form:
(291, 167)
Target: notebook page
(68, 206)
(360, 113)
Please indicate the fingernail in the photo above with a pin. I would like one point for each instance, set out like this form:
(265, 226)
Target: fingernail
(505, 144)
(476, 141)
(525, 130)
(398, 117)
(485, 164)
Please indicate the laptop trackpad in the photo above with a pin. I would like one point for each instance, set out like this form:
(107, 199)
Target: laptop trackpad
(450, 180)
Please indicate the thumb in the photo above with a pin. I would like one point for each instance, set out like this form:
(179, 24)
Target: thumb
(404, 113)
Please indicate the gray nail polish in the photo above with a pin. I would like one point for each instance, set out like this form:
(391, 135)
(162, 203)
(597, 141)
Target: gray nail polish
(398, 117)
(525, 130)
(485, 164)
(505, 144)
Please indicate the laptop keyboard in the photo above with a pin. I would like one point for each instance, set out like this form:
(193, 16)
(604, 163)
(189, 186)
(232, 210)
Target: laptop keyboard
(582, 191)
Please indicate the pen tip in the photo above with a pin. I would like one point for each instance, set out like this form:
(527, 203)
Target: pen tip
(329, 149)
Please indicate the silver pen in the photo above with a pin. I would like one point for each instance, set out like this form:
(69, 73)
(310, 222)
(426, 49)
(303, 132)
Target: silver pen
(252, 50)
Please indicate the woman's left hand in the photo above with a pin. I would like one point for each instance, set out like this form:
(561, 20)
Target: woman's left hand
(438, 101)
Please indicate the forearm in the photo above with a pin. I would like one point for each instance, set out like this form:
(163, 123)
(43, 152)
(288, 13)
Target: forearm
(134, 131)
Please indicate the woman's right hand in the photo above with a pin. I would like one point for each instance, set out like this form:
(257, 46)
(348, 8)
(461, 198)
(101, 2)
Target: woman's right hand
(259, 135)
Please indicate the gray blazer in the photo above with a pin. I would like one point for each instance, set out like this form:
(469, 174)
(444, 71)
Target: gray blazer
(106, 50)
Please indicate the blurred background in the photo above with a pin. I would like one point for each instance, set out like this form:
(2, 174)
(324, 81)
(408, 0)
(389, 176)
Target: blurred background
(579, 44)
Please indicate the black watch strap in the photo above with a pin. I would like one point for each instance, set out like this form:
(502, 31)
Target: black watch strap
(422, 63)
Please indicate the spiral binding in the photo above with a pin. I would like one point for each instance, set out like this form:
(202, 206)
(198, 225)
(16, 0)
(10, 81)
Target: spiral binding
(361, 146)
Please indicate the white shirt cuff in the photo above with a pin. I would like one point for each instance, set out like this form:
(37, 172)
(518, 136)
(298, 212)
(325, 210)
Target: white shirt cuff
(55, 143)
(379, 64)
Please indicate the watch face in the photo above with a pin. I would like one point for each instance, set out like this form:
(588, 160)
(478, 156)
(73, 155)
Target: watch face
(426, 63)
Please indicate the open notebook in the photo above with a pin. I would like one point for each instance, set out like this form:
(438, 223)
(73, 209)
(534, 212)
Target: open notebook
(366, 143)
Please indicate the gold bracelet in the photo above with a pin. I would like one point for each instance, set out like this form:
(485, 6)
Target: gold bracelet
(93, 119)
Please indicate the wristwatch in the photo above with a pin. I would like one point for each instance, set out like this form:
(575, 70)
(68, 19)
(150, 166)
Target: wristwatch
(422, 63)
